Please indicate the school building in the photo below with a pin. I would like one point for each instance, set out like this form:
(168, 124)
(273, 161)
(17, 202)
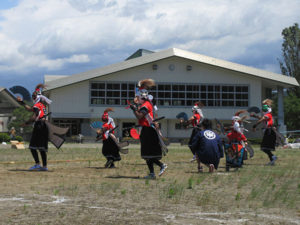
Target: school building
(182, 78)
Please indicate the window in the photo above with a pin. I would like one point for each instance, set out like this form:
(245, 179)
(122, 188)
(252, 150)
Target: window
(179, 126)
(102, 93)
(125, 132)
(72, 124)
(117, 93)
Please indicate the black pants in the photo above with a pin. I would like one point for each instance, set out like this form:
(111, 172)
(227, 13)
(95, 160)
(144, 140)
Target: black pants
(150, 163)
(36, 156)
(269, 153)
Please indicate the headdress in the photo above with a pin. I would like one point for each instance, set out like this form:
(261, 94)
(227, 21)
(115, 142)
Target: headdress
(197, 107)
(267, 103)
(105, 114)
(143, 87)
(237, 117)
(38, 94)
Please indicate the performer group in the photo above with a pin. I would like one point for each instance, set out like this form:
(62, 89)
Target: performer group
(205, 144)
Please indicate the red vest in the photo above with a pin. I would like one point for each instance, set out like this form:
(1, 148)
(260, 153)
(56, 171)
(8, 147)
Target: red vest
(106, 127)
(148, 118)
(196, 120)
(269, 120)
(236, 136)
(41, 108)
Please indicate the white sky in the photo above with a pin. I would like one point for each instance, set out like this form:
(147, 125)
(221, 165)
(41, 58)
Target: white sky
(39, 37)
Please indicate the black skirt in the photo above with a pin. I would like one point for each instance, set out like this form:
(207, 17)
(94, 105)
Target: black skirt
(269, 140)
(39, 137)
(150, 147)
(110, 150)
(194, 132)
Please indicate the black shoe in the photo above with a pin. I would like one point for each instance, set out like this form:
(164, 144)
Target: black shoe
(108, 163)
(112, 165)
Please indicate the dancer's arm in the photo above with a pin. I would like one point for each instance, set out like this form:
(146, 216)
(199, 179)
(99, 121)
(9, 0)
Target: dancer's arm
(258, 122)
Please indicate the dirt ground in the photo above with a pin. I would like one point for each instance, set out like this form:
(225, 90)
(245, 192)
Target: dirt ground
(77, 189)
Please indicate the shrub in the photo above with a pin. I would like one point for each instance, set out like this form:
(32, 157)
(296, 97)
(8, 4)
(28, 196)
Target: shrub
(4, 137)
(19, 138)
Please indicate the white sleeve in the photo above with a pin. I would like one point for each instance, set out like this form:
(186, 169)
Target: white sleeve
(111, 121)
(201, 115)
(106, 134)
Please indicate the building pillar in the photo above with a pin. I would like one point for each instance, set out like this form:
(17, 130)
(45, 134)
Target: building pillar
(280, 118)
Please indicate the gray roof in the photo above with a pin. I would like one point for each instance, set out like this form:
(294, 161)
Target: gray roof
(7, 99)
(48, 78)
(139, 53)
(172, 52)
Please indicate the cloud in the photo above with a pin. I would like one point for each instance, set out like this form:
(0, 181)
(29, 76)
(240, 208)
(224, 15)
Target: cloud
(54, 36)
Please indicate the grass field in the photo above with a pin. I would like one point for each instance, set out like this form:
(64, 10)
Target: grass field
(79, 190)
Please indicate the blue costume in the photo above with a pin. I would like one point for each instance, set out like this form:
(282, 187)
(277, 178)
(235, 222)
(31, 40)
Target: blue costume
(208, 146)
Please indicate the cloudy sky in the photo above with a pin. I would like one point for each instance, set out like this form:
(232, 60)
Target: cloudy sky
(39, 37)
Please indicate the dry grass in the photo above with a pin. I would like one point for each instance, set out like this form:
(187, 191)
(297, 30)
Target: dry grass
(78, 190)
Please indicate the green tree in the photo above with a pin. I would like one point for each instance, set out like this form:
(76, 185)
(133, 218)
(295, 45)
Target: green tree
(290, 66)
(21, 115)
(292, 112)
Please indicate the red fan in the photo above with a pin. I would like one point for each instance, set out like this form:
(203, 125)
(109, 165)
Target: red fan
(134, 133)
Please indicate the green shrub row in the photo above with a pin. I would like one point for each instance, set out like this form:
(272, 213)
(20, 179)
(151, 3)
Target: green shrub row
(4, 137)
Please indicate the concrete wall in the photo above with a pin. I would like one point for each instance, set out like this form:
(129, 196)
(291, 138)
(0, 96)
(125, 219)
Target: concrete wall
(73, 101)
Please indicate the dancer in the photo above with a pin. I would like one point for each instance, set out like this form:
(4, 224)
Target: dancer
(208, 146)
(39, 138)
(195, 121)
(235, 149)
(110, 148)
(151, 150)
(269, 138)
(237, 130)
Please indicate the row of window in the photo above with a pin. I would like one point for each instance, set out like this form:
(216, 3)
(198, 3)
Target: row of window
(103, 93)
(74, 126)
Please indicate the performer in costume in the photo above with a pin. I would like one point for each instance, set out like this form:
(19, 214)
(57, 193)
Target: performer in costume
(195, 121)
(39, 138)
(235, 149)
(151, 149)
(269, 138)
(207, 145)
(237, 131)
(110, 148)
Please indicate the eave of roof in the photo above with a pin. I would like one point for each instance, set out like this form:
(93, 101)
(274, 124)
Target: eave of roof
(9, 96)
(150, 58)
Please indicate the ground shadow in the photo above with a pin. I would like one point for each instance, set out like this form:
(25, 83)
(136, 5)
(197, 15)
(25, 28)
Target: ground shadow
(196, 172)
(253, 164)
(125, 177)
(96, 167)
(32, 171)
(135, 164)
(216, 171)
(182, 162)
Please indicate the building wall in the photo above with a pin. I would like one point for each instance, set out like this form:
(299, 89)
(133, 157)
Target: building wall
(73, 101)
(4, 120)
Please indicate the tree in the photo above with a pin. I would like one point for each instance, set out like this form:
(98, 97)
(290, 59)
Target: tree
(290, 66)
(21, 115)
(292, 109)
